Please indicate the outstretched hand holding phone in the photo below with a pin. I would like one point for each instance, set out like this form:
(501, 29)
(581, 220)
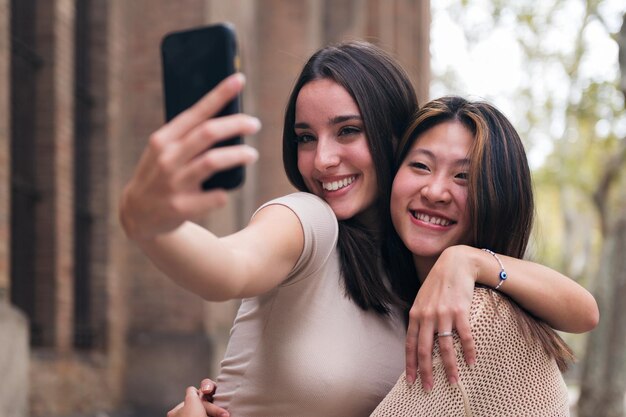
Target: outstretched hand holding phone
(194, 62)
(165, 190)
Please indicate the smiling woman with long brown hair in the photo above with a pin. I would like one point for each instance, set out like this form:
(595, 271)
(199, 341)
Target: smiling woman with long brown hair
(463, 179)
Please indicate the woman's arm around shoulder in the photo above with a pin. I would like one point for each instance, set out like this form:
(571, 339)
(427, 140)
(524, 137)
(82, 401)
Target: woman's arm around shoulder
(547, 294)
(443, 303)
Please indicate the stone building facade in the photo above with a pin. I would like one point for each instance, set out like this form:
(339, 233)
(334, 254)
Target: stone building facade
(87, 325)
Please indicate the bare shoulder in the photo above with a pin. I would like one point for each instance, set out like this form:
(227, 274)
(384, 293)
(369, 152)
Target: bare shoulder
(301, 213)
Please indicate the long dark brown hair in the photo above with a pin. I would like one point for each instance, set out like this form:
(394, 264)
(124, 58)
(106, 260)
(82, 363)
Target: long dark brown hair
(500, 198)
(386, 99)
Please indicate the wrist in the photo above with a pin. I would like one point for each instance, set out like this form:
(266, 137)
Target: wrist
(470, 256)
(491, 272)
(126, 219)
(479, 264)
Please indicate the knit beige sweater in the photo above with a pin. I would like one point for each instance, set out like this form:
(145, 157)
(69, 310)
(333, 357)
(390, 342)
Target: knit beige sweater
(511, 377)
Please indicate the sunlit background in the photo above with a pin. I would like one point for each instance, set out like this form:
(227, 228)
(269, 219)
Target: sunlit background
(89, 328)
(553, 68)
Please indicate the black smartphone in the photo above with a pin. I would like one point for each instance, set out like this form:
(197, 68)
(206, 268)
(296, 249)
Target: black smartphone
(194, 61)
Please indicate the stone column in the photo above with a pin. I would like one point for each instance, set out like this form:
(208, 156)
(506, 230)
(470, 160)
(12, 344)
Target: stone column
(288, 33)
(403, 28)
(54, 175)
(14, 346)
(14, 362)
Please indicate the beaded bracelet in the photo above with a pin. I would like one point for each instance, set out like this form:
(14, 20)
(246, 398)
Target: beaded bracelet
(502, 275)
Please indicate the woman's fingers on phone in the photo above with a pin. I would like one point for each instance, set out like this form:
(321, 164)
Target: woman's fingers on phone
(213, 161)
(214, 100)
(214, 131)
(207, 107)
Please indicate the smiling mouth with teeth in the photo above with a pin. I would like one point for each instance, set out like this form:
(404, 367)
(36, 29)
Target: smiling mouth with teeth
(431, 219)
(337, 185)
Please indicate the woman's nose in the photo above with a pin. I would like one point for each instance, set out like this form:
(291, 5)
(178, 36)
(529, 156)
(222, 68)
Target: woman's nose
(327, 154)
(437, 191)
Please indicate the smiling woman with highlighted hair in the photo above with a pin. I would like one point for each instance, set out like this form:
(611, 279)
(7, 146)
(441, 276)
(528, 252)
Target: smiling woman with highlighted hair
(463, 179)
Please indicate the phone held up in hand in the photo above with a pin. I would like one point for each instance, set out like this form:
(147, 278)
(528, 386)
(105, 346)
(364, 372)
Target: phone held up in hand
(194, 62)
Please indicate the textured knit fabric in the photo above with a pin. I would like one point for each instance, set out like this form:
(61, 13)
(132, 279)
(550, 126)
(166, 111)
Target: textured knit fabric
(511, 377)
(304, 348)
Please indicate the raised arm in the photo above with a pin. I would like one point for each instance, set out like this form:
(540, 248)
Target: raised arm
(247, 263)
(164, 196)
(445, 296)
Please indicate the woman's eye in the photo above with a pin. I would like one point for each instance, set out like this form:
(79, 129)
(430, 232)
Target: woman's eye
(349, 130)
(304, 138)
(418, 165)
(462, 175)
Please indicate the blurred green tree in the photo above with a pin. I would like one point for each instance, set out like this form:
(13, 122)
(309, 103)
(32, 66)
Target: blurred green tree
(567, 103)
(603, 381)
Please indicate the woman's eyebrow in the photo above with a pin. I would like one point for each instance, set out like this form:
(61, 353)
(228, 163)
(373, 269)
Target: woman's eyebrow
(430, 154)
(332, 121)
(422, 151)
(344, 118)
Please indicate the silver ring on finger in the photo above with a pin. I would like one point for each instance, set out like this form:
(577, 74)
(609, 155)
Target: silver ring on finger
(444, 334)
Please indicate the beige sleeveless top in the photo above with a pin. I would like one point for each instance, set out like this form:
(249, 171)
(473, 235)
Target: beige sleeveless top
(511, 377)
(304, 349)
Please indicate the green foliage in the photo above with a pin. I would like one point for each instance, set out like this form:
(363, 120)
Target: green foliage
(562, 101)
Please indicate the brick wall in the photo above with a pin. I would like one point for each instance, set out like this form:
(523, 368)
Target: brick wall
(114, 267)
(54, 148)
(145, 321)
(156, 304)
